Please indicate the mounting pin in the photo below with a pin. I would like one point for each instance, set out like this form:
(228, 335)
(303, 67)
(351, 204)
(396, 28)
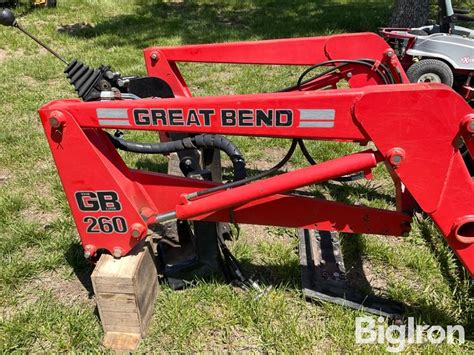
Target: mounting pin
(89, 251)
(56, 120)
(396, 156)
(389, 53)
(118, 252)
(468, 124)
(137, 230)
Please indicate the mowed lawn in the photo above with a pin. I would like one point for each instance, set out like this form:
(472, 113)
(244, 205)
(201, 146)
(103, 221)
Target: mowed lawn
(45, 299)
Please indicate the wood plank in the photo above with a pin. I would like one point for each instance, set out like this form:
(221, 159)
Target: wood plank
(121, 341)
(129, 319)
(116, 302)
(125, 291)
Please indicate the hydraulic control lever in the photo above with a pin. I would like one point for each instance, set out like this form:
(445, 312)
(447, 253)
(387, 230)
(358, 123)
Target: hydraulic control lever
(7, 18)
(88, 82)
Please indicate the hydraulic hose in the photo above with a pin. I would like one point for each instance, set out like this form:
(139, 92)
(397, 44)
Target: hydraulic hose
(200, 141)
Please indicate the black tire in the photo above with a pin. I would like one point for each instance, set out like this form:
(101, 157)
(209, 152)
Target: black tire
(51, 3)
(430, 69)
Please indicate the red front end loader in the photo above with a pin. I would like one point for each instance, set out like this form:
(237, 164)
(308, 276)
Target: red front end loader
(422, 133)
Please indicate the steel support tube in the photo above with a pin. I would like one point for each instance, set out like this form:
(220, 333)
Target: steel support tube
(282, 183)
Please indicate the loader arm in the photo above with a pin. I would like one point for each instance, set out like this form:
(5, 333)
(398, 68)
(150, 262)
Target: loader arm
(417, 131)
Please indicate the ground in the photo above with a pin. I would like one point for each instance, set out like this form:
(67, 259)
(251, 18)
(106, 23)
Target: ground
(46, 303)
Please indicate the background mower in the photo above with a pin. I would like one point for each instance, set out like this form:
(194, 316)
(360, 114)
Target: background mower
(33, 3)
(440, 53)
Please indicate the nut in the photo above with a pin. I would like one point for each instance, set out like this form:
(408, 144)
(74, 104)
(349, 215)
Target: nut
(89, 251)
(118, 252)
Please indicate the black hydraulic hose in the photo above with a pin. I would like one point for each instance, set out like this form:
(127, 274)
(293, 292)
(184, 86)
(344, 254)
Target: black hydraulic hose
(200, 141)
(366, 62)
(306, 153)
(317, 76)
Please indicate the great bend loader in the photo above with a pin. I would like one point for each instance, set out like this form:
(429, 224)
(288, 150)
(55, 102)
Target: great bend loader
(422, 133)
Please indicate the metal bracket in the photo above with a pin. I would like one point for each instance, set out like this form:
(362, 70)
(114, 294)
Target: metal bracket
(323, 276)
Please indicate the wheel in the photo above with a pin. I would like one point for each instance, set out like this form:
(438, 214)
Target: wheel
(431, 71)
(51, 3)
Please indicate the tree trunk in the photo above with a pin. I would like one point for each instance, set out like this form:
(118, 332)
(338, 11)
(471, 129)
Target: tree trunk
(410, 13)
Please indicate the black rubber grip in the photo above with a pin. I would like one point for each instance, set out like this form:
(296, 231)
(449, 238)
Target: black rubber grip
(82, 78)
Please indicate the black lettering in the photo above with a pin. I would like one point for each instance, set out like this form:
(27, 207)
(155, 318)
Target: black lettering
(193, 119)
(109, 201)
(207, 116)
(176, 117)
(141, 117)
(158, 115)
(87, 201)
(245, 118)
(228, 117)
(283, 118)
(263, 118)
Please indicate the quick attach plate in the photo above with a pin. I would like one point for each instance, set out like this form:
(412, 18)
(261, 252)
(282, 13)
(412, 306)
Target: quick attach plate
(323, 276)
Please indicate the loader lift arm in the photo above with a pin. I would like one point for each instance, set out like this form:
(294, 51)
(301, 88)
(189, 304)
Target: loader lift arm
(417, 131)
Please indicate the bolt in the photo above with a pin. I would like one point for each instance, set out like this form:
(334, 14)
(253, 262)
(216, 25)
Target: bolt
(54, 122)
(468, 124)
(188, 162)
(396, 156)
(154, 56)
(389, 54)
(396, 159)
(137, 230)
(349, 75)
(109, 74)
(89, 251)
(117, 253)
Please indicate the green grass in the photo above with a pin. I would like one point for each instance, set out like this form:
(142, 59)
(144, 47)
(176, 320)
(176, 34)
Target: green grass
(43, 305)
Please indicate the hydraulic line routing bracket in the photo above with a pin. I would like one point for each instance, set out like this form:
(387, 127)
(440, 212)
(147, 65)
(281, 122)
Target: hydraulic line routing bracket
(323, 276)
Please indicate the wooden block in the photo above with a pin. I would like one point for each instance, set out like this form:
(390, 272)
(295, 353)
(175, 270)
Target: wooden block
(125, 291)
(121, 341)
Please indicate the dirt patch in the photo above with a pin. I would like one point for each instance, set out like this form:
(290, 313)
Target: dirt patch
(389, 240)
(252, 233)
(3, 54)
(377, 280)
(272, 156)
(29, 81)
(74, 27)
(68, 291)
(45, 165)
(34, 215)
(7, 54)
(4, 176)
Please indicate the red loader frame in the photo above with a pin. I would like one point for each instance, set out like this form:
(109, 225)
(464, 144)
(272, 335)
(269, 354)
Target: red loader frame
(417, 130)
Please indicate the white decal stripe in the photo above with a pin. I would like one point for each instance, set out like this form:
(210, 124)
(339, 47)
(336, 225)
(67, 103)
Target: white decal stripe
(327, 115)
(112, 113)
(316, 124)
(114, 122)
